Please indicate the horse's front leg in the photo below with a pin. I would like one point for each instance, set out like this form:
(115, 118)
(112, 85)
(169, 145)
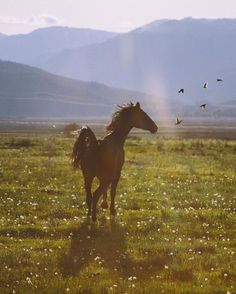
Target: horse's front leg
(113, 194)
(96, 195)
(104, 204)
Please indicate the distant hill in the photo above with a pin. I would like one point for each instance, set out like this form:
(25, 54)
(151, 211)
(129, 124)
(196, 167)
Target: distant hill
(31, 92)
(2, 36)
(36, 47)
(160, 58)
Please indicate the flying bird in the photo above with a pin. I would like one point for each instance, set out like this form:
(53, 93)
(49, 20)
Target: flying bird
(205, 85)
(203, 106)
(219, 80)
(181, 91)
(178, 121)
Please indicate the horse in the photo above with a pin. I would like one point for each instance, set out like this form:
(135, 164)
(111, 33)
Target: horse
(104, 158)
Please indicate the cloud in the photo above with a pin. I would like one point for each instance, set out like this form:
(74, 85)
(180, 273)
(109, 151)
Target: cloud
(44, 19)
(8, 20)
(34, 20)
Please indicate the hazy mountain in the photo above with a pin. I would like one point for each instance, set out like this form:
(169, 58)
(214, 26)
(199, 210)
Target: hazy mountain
(31, 92)
(2, 36)
(160, 58)
(36, 47)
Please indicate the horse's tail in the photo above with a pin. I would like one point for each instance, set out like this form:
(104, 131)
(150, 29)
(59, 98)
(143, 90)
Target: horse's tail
(85, 143)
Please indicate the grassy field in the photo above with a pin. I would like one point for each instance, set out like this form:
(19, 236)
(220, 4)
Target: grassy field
(174, 232)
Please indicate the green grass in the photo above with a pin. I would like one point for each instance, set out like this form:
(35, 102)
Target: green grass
(174, 232)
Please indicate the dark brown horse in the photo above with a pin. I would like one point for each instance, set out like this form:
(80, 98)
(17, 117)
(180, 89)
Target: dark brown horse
(104, 158)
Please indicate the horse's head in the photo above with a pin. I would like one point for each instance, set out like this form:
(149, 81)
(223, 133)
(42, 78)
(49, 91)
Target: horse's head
(130, 116)
(140, 120)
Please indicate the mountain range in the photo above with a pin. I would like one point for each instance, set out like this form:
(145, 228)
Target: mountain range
(38, 46)
(2, 36)
(159, 59)
(29, 92)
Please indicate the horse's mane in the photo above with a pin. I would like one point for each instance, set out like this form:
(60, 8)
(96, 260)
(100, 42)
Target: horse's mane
(121, 114)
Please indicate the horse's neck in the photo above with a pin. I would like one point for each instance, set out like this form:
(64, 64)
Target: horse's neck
(121, 134)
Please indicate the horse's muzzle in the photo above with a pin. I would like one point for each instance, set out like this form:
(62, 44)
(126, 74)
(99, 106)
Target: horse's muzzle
(154, 129)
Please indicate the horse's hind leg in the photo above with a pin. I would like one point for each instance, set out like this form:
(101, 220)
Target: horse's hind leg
(104, 204)
(88, 185)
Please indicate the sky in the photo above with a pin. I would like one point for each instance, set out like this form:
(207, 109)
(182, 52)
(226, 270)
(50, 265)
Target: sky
(23, 16)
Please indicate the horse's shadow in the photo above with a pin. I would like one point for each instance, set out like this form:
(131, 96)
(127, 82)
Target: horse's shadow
(106, 244)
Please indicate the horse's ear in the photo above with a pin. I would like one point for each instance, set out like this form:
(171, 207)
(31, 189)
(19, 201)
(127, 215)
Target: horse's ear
(137, 105)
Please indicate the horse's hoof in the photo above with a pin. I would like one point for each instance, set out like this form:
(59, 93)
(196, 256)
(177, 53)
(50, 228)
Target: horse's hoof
(104, 205)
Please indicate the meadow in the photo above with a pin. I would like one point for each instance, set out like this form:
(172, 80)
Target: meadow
(174, 231)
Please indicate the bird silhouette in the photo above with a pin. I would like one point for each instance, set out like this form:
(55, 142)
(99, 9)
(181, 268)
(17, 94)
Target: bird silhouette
(203, 106)
(219, 80)
(178, 121)
(205, 85)
(181, 91)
